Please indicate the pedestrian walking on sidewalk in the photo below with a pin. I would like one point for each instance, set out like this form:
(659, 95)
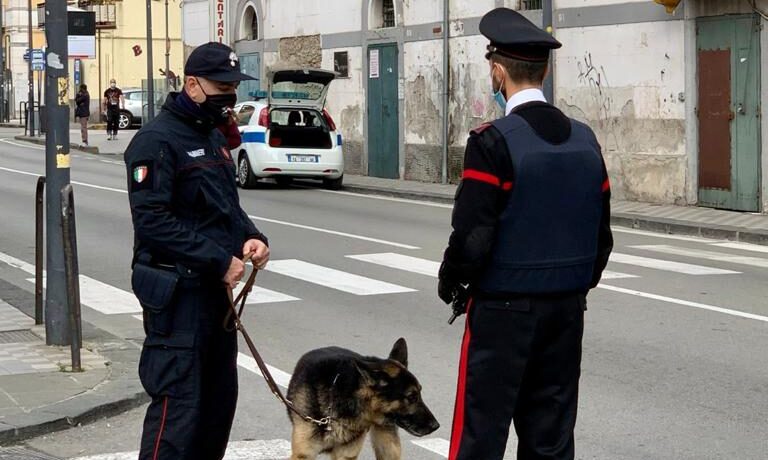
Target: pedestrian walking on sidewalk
(113, 102)
(190, 237)
(531, 236)
(83, 111)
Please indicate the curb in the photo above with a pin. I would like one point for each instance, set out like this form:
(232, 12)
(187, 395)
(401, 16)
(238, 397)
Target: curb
(120, 392)
(11, 125)
(629, 220)
(41, 141)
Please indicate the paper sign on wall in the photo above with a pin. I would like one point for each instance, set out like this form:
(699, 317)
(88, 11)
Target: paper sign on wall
(373, 64)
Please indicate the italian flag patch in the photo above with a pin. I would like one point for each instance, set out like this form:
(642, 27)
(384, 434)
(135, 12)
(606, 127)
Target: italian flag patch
(140, 173)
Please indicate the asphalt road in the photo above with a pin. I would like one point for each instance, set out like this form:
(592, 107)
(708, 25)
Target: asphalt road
(674, 351)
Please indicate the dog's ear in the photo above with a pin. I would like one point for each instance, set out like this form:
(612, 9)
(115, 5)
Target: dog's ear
(399, 352)
(371, 373)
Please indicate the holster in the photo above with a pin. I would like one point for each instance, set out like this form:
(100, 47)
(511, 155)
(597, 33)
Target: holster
(155, 289)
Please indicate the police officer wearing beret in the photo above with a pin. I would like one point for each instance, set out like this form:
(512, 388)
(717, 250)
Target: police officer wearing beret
(531, 236)
(190, 237)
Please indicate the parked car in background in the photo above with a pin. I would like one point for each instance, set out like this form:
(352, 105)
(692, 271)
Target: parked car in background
(136, 106)
(290, 134)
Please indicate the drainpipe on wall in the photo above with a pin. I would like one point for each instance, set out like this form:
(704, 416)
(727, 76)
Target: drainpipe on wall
(549, 92)
(446, 86)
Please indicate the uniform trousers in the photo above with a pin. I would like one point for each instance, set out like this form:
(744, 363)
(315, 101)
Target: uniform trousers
(191, 376)
(521, 362)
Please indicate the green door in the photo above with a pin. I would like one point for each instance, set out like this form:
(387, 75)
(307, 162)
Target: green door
(728, 61)
(383, 133)
(250, 64)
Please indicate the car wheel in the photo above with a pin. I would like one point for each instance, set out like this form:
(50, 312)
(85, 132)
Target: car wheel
(245, 177)
(125, 120)
(284, 181)
(333, 184)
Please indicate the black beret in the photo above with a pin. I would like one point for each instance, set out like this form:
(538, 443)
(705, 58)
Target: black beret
(514, 36)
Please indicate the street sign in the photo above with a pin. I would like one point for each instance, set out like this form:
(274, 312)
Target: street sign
(38, 59)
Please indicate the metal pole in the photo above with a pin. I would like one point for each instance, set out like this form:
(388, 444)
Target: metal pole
(167, 52)
(69, 236)
(3, 103)
(549, 91)
(30, 76)
(446, 85)
(39, 199)
(150, 81)
(57, 160)
(98, 34)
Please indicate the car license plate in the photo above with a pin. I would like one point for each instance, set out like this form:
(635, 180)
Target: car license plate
(302, 158)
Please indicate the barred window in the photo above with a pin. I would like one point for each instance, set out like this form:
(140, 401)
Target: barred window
(529, 5)
(388, 10)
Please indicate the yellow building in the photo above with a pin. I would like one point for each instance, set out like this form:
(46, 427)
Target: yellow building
(121, 44)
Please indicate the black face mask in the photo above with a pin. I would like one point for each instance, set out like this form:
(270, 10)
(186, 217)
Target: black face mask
(218, 106)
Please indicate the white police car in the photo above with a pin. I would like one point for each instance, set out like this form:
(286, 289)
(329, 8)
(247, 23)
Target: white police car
(290, 134)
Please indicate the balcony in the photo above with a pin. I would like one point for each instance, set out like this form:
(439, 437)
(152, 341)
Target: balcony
(105, 10)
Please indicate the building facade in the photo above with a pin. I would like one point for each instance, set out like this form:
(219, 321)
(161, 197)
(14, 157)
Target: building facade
(675, 99)
(120, 51)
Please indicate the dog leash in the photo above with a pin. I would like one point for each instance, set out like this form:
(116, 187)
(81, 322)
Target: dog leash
(273, 387)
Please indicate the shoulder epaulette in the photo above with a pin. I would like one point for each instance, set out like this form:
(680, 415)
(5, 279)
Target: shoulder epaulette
(481, 128)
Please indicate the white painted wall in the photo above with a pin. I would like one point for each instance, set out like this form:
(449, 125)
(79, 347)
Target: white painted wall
(346, 101)
(465, 9)
(423, 64)
(422, 11)
(583, 3)
(196, 23)
(290, 18)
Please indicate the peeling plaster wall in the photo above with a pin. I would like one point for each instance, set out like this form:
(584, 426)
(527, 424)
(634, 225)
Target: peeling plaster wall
(582, 3)
(422, 11)
(630, 90)
(301, 51)
(423, 107)
(346, 105)
(471, 9)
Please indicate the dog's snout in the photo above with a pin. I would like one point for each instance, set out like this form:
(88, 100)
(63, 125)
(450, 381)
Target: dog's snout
(434, 425)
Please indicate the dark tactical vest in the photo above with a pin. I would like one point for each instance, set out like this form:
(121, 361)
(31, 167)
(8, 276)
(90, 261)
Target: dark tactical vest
(546, 239)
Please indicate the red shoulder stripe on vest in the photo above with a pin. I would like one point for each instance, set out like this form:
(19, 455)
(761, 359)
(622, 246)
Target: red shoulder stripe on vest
(481, 176)
(481, 128)
(606, 185)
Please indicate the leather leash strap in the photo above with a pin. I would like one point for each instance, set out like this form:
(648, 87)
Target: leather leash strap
(273, 387)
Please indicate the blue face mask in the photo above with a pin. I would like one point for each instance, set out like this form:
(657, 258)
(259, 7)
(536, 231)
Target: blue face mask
(498, 96)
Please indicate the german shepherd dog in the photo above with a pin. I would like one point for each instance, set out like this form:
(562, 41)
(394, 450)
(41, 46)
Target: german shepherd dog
(359, 394)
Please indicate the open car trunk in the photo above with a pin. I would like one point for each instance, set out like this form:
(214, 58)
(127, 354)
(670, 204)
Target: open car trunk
(299, 128)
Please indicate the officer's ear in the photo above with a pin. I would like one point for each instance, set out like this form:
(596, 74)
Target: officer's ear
(193, 89)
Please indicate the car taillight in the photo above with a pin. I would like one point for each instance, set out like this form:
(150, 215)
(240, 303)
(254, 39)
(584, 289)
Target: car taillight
(264, 117)
(329, 120)
(275, 142)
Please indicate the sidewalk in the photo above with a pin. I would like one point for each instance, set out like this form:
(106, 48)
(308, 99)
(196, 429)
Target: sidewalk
(687, 220)
(38, 392)
(97, 140)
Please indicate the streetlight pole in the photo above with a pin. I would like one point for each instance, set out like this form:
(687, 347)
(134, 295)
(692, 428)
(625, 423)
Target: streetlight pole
(57, 158)
(150, 81)
(3, 103)
(30, 74)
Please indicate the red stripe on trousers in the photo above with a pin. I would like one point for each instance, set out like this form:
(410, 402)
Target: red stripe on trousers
(458, 412)
(481, 176)
(606, 185)
(162, 427)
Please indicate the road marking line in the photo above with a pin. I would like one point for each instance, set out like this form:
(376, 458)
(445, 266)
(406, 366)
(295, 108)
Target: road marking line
(261, 295)
(240, 450)
(686, 303)
(695, 239)
(282, 378)
(609, 275)
(437, 445)
(742, 246)
(708, 255)
(334, 232)
(401, 262)
(668, 265)
(26, 146)
(334, 279)
(387, 198)
(93, 293)
(83, 184)
(104, 298)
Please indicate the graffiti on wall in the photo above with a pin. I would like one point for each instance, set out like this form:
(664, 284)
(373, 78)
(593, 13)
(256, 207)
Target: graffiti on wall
(596, 78)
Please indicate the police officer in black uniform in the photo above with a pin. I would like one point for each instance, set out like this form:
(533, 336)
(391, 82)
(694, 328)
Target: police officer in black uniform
(531, 237)
(190, 236)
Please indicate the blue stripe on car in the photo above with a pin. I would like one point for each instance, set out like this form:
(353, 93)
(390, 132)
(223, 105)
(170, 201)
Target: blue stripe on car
(338, 139)
(254, 137)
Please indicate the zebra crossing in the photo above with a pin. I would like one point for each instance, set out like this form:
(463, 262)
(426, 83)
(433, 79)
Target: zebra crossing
(110, 300)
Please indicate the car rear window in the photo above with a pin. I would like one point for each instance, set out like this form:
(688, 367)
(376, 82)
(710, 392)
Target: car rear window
(288, 117)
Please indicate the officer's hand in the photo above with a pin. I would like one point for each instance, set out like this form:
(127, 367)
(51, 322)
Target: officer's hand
(447, 290)
(235, 272)
(259, 252)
